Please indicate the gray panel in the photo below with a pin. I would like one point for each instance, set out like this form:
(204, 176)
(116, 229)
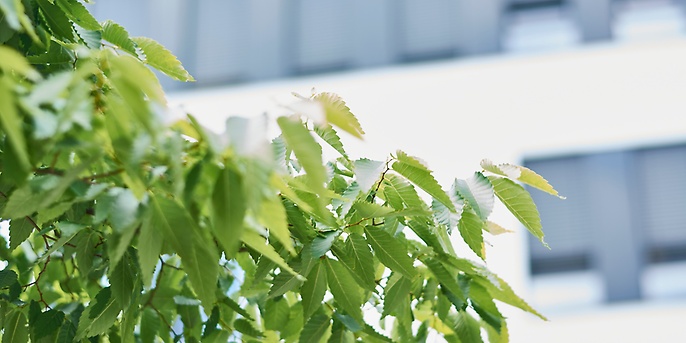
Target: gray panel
(428, 28)
(661, 183)
(222, 40)
(323, 35)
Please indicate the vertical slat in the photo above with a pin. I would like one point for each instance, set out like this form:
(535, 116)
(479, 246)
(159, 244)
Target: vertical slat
(323, 35)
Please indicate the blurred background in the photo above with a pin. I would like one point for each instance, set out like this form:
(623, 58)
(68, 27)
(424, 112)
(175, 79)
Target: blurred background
(588, 93)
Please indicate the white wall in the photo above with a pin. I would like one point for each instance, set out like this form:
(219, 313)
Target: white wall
(453, 114)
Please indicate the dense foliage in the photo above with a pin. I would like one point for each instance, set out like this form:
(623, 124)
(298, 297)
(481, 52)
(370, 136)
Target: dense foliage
(127, 226)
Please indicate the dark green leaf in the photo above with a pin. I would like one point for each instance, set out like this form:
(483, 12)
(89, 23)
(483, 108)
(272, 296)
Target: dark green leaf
(447, 279)
(7, 278)
(123, 281)
(245, 327)
(466, 327)
(483, 304)
(67, 333)
(150, 325)
(198, 256)
(149, 248)
(339, 334)
(20, 230)
(15, 328)
(396, 293)
(471, 230)
(315, 329)
(47, 323)
(390, 251)
(57, 21)
(228, 210)
(420, 175)
(99, 317)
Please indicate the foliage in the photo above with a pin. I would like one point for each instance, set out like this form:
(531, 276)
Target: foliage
(126, 224)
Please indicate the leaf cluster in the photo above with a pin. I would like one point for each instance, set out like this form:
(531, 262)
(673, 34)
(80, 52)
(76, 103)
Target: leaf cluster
(129, 224)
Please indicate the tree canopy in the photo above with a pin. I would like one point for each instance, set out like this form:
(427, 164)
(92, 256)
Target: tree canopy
(127, 224)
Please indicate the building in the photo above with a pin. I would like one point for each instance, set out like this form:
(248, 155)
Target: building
(588, 93)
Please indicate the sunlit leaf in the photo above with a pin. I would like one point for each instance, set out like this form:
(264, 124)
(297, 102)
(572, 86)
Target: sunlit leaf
(79, 14)
(421, 176)
(162, 59)
(338, 113)
(520, 204)
(313, 290)
(390, 251)
(520, 173)
(117, 35)
(478, 192)
(471, 230)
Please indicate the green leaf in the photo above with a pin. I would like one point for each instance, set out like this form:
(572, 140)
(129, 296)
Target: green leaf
(346, 294)
(447, 279)
(228, 210)
(371, 210)
(17, 19)
(15, 328)
(315, 329)
(12, 125)
(471, 230)
(234, 306)
(150, 325)
(367, 173)
(306, 149)
(396, 293)
(57, 21)
(67, 333)
(7, 278)
(258, 243)
(243, 326)
(20, 230)
(123, 212)
(466, 327)
(500, 290)
(420, 175)
(273, 216)
(79, 14)
(338, 113)
(390, 251)
(198, 256)
(322, 243)
(123, 281)
(276, 312)
(162, 59)
(313, 290)
(483, 304)
(522, 174)
(495, 229)
(47, 323)
(117, 35)
(13, 61)
(339, 334)
(520, 204)
(329, 135)
(478, 192)
(150, 242)
(357, 249)
(99, 317)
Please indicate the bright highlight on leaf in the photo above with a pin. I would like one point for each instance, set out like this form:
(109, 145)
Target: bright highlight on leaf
(162, 59)
(519, 173)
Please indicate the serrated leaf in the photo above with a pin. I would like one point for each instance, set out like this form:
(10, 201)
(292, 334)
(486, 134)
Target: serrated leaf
(234, 306)
(306, 149)
(471, 230)
(346, 294)
(478, 192)
(12, 126)
(198, 256)
(521, 174)
(117, 35)
(367, 173)
(339, 334)
(338, 113)
(245, 327)
(329, 135)
(258, 243)
(370, 210)
(447, 280)
(47, 323)
(15, 328)
(92, 39)
(7, 278)
(162, 59)
(275, 315)
(399, 191)
(390, 251)
(57, 21)
(16, 18)
(356, 247)
(123, 213)
(228, 210)
(483, 304)
(123, 281)
(466, 327)
(79, 14)
(396, 293)
(13, 61)
(520, 204)
(313, 290)
(67, 333)
(421, 176)
(315, 329)
(20, 230)
(500, 290)
(99, 317)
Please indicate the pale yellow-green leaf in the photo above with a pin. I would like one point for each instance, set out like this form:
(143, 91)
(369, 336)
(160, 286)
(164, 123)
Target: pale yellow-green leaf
(13, 61)
(258, 243)
(495, 229)
(162, 59)
(338, 113)
(273, 216)
(522, 174)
